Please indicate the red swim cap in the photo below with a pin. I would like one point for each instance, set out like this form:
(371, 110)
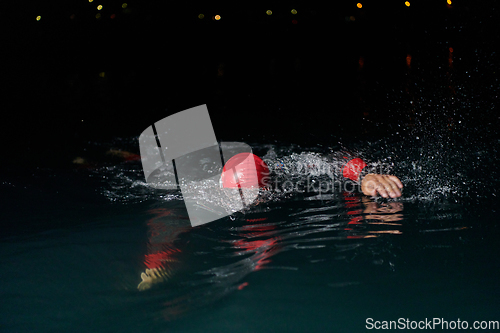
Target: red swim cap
(353, 169)
(244, 170)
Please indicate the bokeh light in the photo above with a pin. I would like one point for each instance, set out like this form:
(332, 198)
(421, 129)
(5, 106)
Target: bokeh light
(124, 5)
(407, 3)
(408, 60)
(99, 7)
(269, 12)
(38, 18)
(98, 15)
(201, 16)
(448, 2)
(361, 62)
(293, 11)
(217, 17)
(359, 5)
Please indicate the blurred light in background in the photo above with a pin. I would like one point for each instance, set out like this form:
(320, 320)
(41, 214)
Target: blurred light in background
(361, 63)
(218, 17)
(408, 60)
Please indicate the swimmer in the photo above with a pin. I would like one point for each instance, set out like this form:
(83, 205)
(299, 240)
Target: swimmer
(342, 168)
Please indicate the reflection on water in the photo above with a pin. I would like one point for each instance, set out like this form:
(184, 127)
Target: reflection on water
(138, 257)
(163, 230)
(322, 233)
(233, 249)
(250, 243)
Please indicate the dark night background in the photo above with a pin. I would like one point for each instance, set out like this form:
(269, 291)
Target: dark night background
(335, 71)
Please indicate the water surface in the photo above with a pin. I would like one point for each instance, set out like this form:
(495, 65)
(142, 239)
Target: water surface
(77, 241)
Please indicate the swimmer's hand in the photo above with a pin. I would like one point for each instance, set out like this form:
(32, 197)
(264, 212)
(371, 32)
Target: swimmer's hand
(385, 185)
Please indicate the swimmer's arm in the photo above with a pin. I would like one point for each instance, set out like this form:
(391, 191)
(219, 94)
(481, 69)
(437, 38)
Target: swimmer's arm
(384, 185)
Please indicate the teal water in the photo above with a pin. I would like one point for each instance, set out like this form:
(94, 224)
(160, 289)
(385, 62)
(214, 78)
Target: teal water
(77, 240)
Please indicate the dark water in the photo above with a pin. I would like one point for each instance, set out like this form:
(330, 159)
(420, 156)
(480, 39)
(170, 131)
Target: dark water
(77, 240)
